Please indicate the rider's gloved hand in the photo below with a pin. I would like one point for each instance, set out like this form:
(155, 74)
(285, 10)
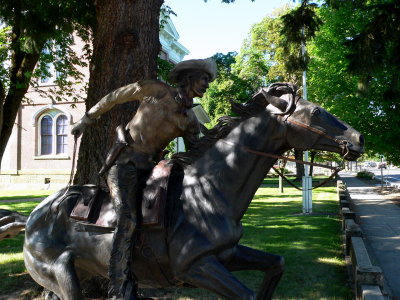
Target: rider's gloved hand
(79, 127)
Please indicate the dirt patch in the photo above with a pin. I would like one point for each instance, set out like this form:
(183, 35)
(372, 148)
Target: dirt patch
(29, 291)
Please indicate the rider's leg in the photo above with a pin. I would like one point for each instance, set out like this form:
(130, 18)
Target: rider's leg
(122, 181)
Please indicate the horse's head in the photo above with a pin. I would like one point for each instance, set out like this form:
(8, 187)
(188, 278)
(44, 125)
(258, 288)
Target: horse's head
(309, 126)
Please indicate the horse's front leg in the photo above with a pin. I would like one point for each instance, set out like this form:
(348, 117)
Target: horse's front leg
(210, 274)
(246, 258)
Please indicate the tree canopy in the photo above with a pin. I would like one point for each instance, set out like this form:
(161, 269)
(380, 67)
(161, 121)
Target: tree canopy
(354, 70)
(353, 67)
(261, 61)
(227, 86)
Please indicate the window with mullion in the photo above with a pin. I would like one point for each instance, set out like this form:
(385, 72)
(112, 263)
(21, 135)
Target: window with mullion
(62, 134)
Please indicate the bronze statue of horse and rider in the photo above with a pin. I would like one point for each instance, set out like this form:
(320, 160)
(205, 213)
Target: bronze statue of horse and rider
(197, 242)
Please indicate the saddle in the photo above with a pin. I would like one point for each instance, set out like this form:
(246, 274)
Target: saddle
(155, 195)
(94, 208)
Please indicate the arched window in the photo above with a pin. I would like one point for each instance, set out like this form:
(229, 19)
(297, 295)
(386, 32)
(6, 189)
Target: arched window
(53, 137)
(46, 135)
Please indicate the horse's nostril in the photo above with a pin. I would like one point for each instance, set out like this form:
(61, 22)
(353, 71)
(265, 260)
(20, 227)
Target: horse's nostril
(361, 139)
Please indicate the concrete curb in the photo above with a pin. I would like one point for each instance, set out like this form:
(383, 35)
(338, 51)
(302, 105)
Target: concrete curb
(368, 279)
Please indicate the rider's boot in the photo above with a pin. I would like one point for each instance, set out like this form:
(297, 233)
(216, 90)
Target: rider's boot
(122, 283)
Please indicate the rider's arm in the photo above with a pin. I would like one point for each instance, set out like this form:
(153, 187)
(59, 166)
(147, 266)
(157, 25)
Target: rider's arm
(131, 92)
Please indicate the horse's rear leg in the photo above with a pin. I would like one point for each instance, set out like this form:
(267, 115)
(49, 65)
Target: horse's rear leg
(210, 274)
(251, 259)
(65, 274)
(59, 276)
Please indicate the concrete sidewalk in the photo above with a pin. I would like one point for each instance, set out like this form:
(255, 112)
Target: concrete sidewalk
(379, 219)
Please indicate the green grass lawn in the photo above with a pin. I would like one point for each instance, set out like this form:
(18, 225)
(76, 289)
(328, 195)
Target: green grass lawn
(311, 245)
(13, 274)
(23, 194)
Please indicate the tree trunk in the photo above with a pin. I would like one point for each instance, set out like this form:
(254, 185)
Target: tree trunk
(125, 49)
(22, 65)
(298, 154)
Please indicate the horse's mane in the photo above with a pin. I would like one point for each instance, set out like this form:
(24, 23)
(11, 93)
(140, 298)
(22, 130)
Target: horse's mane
(223, 127)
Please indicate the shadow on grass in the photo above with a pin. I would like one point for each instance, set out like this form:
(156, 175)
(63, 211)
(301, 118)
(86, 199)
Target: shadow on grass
(13, 274)
(274, 182)
(263, 196)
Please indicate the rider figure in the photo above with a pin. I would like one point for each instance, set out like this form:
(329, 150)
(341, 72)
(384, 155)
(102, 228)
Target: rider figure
(164, 113)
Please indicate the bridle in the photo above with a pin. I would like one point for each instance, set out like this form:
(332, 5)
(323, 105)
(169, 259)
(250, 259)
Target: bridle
(343, 144)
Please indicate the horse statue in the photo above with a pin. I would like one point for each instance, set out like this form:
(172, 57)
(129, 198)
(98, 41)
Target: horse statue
(198, 243)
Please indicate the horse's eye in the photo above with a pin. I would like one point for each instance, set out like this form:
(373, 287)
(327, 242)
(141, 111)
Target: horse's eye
(316, 111)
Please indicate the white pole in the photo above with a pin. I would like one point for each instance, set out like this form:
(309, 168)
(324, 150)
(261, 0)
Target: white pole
(280, 177)
(307, 180)
(307, 188)
(306, 167)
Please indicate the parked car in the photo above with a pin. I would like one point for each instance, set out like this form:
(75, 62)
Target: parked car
(382, 165)
(369, 164)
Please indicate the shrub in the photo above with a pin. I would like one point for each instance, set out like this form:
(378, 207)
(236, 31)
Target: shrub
(365, 175)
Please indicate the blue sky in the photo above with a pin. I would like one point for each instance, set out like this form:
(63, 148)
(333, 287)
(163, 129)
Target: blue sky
(208, 28)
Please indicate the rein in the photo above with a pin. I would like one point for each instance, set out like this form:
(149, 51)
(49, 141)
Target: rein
(335, 169)
(287, 158)
(342, 143)
(71, 177)
(315, 187)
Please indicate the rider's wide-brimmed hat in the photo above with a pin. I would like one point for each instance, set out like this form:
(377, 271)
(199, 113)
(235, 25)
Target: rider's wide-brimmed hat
(206, 65)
